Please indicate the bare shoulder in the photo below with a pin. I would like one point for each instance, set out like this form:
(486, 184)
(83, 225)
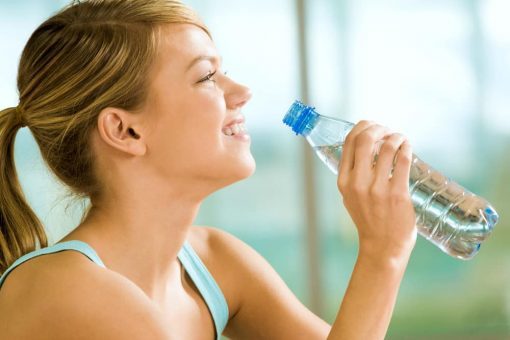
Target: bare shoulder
(231, 257)
(225, 257)
(261, 304)
(214, 242)
(65, 295)
(216, 248)
(235, 265)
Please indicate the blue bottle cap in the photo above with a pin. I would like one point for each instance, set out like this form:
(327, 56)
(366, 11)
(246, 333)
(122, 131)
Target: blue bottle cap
(300, 117)
(491, 216)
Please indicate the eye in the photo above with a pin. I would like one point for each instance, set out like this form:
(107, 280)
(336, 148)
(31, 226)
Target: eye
(209, 77)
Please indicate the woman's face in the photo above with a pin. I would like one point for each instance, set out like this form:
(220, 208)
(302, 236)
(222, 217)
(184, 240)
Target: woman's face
(195, 121)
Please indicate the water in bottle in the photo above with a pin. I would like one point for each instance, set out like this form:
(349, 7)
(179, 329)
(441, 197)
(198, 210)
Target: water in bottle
(451, 217)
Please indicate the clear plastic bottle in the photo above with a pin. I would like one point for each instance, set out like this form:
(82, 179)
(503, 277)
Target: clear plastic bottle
(451, 217)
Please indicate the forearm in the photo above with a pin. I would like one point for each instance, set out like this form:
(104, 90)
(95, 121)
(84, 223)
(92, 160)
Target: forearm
(368, 303)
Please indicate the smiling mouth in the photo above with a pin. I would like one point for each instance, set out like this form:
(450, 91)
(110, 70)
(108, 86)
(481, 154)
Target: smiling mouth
(234, 129)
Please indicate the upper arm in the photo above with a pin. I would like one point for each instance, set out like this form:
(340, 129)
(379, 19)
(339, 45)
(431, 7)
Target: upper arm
(266, 307)
(85, 304)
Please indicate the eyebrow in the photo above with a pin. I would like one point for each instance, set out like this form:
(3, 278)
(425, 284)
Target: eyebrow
(200, 58)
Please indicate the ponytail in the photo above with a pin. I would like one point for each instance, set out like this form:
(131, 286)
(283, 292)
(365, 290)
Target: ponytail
(91, 55)
(20, 229)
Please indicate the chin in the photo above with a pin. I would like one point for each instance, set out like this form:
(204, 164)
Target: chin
(231, 171)
(247, 168)
(242, 170)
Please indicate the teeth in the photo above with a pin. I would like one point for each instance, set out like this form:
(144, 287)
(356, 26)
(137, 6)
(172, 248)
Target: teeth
(234, 129)
(228, 131)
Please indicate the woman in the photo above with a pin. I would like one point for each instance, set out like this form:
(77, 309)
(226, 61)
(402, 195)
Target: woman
(129, 106)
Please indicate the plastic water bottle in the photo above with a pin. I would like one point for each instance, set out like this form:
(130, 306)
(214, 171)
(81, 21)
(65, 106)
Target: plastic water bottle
(449, 216)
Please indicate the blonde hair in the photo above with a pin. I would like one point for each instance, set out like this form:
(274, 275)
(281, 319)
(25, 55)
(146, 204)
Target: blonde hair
(91, 55)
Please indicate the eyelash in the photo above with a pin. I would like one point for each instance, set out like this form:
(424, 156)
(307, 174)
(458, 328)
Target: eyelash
(210, 76)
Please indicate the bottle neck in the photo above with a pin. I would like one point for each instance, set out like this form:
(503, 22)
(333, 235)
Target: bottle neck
(327, 131)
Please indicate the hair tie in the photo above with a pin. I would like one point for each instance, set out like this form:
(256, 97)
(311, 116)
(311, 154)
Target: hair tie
(19, 115)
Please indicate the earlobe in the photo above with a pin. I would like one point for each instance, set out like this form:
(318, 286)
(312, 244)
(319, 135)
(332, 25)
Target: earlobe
(118, 129)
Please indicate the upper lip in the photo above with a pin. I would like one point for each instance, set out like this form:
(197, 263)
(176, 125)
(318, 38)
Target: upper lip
(239, 119)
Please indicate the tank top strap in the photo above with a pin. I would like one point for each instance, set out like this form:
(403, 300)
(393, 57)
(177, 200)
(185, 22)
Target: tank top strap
(207, 286)
(75, 245)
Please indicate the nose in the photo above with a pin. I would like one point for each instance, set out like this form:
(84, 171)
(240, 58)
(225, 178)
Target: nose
(237, 95)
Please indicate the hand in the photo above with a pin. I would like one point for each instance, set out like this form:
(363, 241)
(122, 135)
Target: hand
(376, 193)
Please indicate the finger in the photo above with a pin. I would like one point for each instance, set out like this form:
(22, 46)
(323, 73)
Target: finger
(366, 145)
(387, 157)
(347, 160)
(402, 168)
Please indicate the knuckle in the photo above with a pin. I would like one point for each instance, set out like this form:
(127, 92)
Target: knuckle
(377, 193)
(389, 146)
(342, 185)
(367, 137)
(349, 138)
(358, 188)
(397, 136)
(399, 197)
(386, 131)
(407, 148)
(365, 122)
(404, 158)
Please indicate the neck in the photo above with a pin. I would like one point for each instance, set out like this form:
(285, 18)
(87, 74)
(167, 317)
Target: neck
(139, 235)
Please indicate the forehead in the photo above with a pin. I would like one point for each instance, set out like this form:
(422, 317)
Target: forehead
(182, 43)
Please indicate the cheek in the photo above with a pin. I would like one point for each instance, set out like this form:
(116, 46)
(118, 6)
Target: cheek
(188, 143)
(209, 99)
(189, 131)
(204, 122)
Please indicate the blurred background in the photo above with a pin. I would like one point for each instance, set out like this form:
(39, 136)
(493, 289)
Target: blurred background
(436, 70)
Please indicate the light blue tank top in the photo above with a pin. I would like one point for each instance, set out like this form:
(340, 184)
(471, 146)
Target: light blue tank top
(195, 268)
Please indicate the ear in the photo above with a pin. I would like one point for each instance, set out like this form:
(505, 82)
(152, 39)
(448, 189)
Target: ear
(122, 131)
